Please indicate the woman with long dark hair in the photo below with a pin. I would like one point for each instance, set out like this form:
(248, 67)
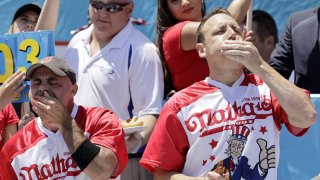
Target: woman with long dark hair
(177, 22)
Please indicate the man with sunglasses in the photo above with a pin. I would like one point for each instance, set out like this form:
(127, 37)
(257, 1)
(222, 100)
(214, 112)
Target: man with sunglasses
(118, 68)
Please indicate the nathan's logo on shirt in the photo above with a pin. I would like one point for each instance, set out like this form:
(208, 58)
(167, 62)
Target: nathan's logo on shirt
(246, 113)
(58, 166)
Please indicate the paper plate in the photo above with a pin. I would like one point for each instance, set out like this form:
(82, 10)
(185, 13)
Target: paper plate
(131, 130)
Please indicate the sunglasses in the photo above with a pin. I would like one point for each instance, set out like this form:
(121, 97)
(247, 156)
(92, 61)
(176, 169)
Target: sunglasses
(109, 7)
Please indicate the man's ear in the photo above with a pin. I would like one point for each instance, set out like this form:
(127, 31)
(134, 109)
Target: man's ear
(269, 42)
(74, 89)
(130, 9)
(202, 51)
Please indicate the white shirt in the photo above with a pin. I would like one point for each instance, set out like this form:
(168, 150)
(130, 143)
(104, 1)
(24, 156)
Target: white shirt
(105, 80)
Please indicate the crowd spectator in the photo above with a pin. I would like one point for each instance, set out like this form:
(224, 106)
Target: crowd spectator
(118, 68)
(265, 33)
(30, 17)
(299, 50)
(177, 22)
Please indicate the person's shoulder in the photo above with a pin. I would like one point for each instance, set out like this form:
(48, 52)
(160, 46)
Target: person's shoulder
(24, 138)
(95, 115)
(310, 10)
(85, 111)
(80, 36)
(190, 94)
(175, 29)
(177, 26)
(138, 37)
(305, 13)
(172, 36)
(92, 109)
(141, 43)
(8, 108)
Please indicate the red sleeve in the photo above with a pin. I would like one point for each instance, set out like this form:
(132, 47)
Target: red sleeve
(171, 41)
(10, 115)
(281, 117)
(168, 144)
(109, 133)
(106, 131)
(6, 170)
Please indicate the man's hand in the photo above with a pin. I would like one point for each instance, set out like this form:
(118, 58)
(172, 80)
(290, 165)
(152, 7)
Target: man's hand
(133, 142)
(51, 111)
(11, 88)
(243, 52)
(248, 35)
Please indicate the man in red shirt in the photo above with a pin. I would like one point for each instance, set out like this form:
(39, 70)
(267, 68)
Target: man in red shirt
(66, 140)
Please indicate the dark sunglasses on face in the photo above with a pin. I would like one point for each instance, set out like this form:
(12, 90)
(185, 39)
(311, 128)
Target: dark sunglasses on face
(110, 7)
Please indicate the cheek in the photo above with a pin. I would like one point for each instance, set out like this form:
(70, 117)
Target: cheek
(259, 46)
(17, 27)
(63, 97)
(198, 5)
(64, 93)
(32, 91)
(214, 48)
(174, 9)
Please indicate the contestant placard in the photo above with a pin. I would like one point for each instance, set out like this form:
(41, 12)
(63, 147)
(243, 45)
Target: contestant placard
(19, 51)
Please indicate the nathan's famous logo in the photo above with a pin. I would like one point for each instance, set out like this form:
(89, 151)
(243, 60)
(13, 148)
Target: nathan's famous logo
(58, 166)
(247, 111)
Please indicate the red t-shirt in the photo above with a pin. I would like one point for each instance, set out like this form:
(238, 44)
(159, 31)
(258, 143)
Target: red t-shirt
(185, 67)
(38, 153)
(7, 117)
